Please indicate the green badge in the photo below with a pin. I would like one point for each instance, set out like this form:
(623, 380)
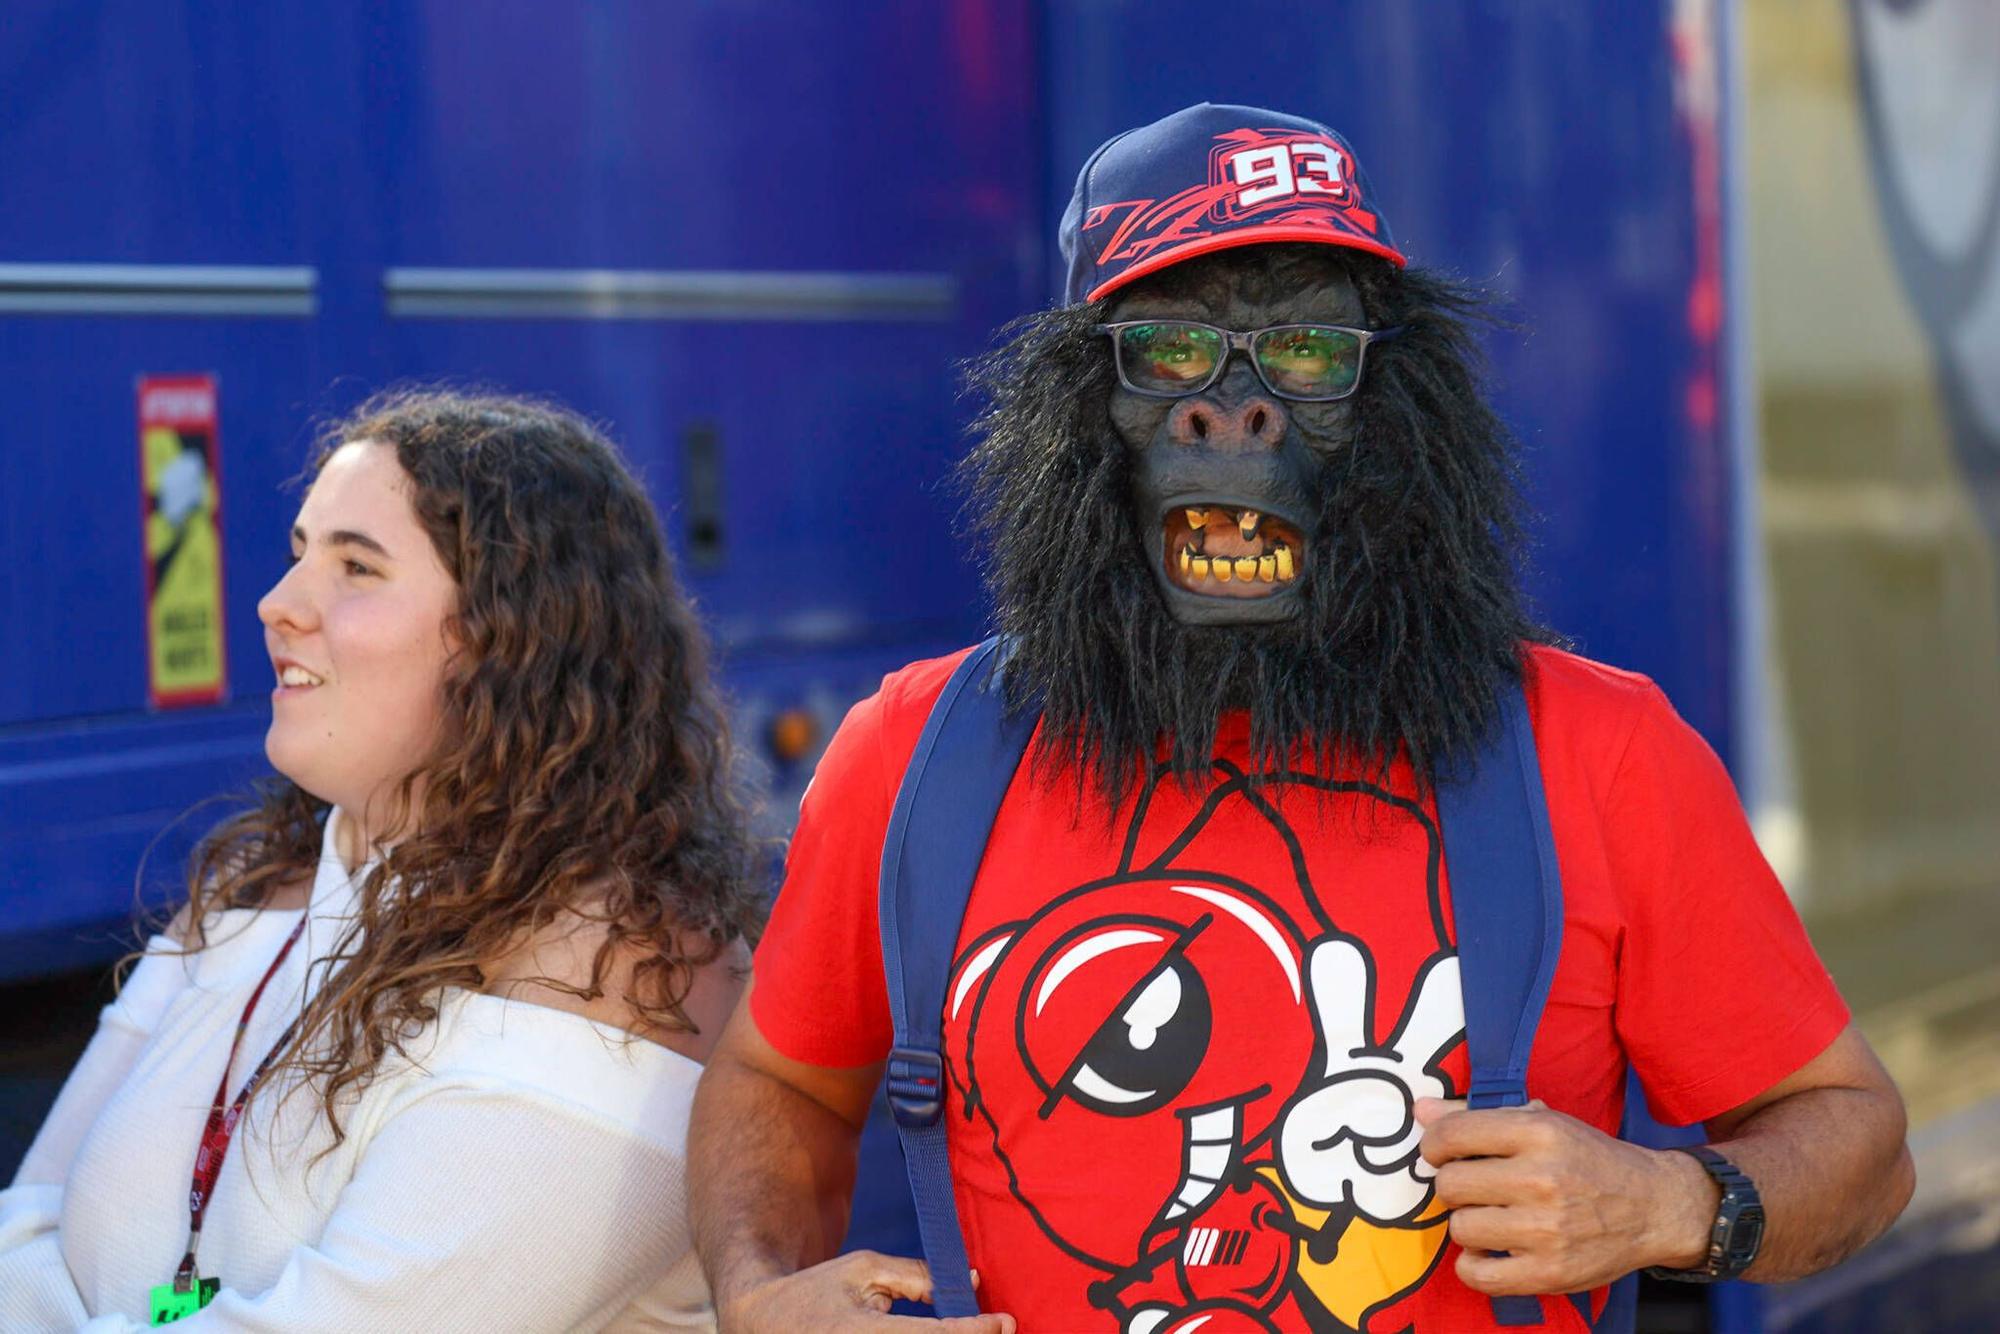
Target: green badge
(169, 1306)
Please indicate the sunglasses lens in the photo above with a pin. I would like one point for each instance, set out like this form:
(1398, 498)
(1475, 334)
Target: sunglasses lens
(1171, 357)
(1306, 361)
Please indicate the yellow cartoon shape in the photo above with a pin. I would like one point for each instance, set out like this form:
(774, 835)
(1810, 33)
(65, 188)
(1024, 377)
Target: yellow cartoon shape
(1374, 1265)
(1350, 1142)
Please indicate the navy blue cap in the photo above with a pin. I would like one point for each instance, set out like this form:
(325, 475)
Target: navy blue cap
(1208, 178)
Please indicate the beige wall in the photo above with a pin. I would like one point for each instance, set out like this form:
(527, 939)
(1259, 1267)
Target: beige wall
(1884, 606)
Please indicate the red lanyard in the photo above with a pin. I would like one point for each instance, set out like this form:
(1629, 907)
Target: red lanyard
(222, 1119)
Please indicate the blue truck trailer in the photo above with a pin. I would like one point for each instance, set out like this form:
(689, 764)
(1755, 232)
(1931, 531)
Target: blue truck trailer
(288, 207)
(221, 225)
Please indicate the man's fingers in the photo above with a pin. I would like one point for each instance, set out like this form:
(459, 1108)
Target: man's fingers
(995, 1323)
(1430, 1110)
(1474, 1181)
(1498, 1132)
(978, 1324)
(987, 1323)
(875, 1279)
(1482, 1228)
(1433, 1109)
(1498, 1275)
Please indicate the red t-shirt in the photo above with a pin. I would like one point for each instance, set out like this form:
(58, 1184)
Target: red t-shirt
(1183, 1037)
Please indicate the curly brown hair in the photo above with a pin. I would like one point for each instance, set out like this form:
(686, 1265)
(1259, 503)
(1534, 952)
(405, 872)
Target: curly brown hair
(584, 764)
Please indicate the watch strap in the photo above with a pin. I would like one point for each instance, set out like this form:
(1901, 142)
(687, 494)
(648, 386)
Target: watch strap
(1737, 1233)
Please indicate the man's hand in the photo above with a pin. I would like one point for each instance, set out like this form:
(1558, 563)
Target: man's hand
(1543, 1203)
(772, 1143)
(849, 1293)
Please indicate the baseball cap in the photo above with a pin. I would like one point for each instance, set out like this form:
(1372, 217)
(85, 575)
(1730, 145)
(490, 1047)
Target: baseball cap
(1208, 178)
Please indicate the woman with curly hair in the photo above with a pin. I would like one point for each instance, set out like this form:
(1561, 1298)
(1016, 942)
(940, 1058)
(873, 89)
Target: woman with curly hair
(457, 970)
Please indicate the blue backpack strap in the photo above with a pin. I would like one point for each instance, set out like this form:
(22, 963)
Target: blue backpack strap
(960, 771)
(1506, 902)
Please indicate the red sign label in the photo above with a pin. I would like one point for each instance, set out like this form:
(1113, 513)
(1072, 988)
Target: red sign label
(181, 510)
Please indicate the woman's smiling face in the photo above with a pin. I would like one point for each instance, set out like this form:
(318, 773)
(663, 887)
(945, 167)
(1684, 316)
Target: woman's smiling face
(357, 633)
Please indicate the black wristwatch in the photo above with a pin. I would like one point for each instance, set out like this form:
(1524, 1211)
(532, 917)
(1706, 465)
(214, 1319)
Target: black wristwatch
(1739, 1223)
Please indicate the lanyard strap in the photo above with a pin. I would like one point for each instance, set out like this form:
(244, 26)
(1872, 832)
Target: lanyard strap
(223, 1115)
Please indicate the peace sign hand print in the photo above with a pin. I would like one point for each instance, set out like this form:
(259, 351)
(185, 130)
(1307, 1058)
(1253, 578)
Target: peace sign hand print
(1349, 1141)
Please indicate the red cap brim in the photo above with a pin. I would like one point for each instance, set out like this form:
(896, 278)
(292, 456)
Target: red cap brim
(1242, 236)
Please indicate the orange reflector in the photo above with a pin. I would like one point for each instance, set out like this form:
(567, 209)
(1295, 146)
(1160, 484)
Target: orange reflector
(794, 733)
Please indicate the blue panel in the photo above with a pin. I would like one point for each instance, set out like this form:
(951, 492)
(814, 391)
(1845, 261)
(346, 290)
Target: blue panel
(774, 135)
(780, 136)
(854, 140)
(1536, 149)
(85, 807)
(74, 600)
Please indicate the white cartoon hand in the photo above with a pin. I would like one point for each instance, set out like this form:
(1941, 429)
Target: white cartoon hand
(1353, 1139)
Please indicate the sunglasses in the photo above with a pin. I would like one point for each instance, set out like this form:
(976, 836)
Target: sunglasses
(1308, 363)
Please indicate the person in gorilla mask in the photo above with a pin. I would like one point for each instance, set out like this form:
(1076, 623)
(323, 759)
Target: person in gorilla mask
(1248, 527)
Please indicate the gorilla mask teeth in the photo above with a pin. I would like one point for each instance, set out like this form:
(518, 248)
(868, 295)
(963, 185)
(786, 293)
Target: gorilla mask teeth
(1221, 551)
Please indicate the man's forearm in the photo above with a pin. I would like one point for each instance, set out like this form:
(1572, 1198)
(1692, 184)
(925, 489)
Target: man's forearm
(773, 1174)
(1832, 1171)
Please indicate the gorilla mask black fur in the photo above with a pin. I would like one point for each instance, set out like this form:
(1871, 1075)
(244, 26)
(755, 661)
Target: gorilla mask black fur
(1399, 506)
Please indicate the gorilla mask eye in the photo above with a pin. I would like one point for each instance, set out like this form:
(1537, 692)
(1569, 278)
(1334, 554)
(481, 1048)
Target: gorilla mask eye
(1147, 1051)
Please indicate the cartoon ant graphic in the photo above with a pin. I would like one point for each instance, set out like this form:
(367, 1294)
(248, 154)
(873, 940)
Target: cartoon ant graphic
(1230, 1045)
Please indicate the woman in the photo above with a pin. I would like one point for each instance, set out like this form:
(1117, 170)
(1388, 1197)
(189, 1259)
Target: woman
(458, 968)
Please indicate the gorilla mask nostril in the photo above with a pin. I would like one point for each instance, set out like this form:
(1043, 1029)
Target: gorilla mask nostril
(1254, 423)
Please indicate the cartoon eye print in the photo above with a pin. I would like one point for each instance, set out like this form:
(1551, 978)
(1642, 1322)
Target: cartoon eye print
(1146, 1054)
(1151, 1044)
(1195, 1024)
(1156, 1021)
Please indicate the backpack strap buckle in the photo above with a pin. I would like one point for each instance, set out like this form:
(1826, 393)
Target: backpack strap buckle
(1500, 1091)
(915, 1085)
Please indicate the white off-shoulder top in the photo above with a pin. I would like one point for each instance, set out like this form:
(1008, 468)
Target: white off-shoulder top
(527, 1171)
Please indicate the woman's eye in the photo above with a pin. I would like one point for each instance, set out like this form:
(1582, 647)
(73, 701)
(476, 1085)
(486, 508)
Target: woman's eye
(355, 567)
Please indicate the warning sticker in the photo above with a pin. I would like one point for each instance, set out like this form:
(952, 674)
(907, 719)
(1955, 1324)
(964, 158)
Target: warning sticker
(178, 453)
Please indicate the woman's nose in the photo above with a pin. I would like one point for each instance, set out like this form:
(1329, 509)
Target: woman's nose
(287, 605)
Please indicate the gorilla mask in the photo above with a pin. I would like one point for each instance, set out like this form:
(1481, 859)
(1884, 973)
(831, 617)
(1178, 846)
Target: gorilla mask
(1340, 571)
(1225, 483)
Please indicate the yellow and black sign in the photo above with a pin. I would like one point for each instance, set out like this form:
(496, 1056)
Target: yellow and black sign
(178, 449)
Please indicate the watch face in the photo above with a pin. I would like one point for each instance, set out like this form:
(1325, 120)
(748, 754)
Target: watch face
(1745, 1237)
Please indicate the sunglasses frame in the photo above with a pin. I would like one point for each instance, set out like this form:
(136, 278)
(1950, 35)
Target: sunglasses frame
(1244, 342)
